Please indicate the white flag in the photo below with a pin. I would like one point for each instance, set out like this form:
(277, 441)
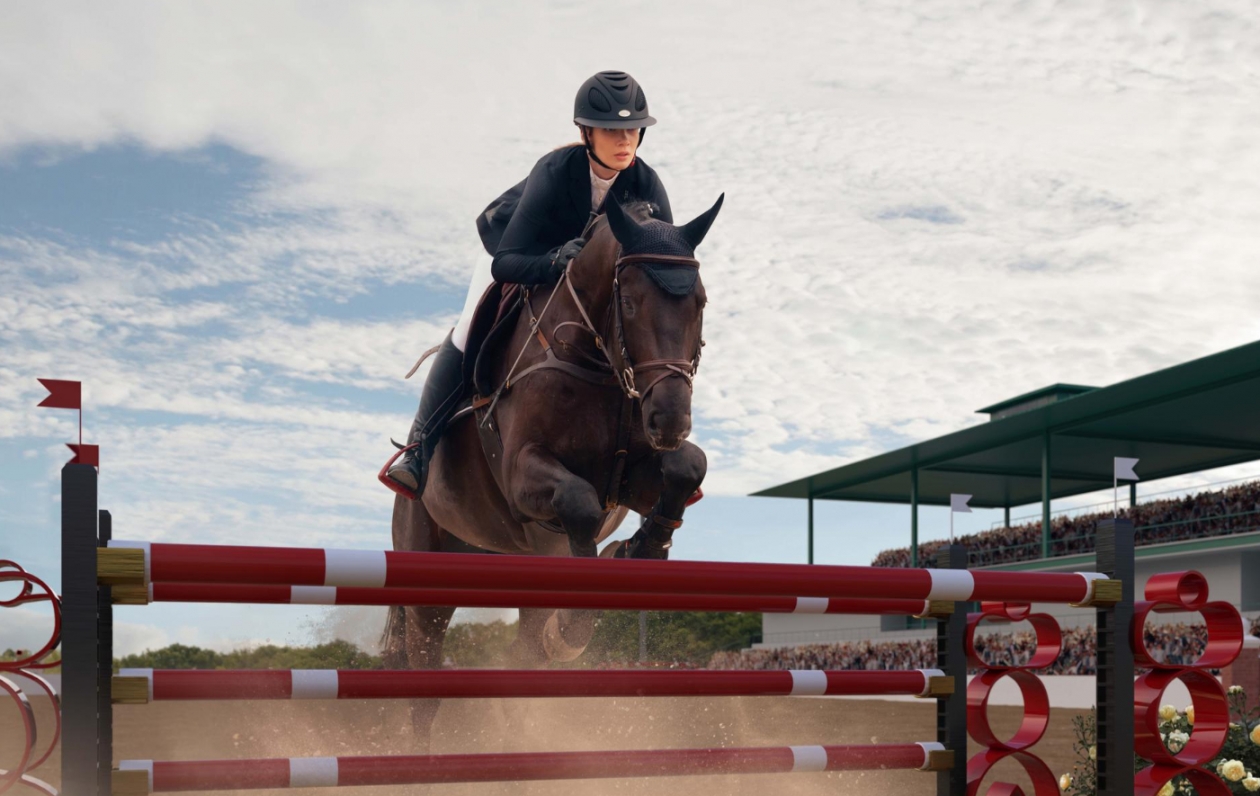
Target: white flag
(1124, 469)
(959, 503)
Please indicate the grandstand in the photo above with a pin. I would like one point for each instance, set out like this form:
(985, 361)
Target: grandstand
(1055, 443)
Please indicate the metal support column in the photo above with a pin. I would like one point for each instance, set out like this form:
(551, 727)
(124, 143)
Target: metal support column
(951, 712)
(811, 529)
(914, 517)
(1132, 496)
(104, 666)
(1006, 517)
(1045, 494)
(1114, 696)
(82, 753)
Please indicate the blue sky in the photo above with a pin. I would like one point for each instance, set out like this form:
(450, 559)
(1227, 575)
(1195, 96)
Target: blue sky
(240, 239)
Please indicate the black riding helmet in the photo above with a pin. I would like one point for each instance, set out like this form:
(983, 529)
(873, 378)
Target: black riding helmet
(612, 100)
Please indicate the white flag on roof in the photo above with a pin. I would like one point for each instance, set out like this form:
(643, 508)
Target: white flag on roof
(1124, 469)
(959, 503)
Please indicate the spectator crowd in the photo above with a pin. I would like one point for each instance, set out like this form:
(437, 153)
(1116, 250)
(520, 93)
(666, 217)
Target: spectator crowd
(1235, 509)
(1171, 643)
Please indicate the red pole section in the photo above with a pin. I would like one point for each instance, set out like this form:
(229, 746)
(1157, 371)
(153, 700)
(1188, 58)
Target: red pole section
(375, 569)
(204, 775)
(183, 684)
(499, 598)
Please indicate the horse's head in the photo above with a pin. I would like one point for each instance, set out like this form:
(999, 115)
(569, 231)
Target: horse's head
(655, 312)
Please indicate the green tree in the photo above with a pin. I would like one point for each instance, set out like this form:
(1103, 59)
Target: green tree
(477, 645)
(672, 636)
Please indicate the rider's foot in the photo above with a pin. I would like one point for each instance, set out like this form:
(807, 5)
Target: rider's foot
(409, 470)
(442, 391)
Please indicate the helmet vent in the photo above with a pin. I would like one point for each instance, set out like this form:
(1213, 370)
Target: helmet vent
(640, 102)
(598, 101)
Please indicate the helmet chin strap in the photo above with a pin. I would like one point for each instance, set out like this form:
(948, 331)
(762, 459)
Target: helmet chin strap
(590, 148)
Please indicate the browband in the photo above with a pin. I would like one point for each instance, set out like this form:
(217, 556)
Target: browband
(660, 259)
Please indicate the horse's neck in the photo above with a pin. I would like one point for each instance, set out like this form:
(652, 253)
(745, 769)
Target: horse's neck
(595, 279)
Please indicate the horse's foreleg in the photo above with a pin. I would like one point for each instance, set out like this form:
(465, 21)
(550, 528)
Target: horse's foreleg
(680, 475)
(526, 650)
(541, 488)
(426, 630)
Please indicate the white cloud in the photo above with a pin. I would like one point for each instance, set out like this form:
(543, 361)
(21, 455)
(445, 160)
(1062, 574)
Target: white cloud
(931, 206)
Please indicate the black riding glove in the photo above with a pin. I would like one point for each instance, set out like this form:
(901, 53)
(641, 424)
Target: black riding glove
(567, 252)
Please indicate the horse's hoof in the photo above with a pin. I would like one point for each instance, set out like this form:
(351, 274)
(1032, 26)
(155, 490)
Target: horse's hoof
(554, 644)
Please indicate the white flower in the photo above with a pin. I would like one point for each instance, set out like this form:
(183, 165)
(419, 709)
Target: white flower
(1167, 713)
(1233, 770)
(1252, 784)
(1093, 752)
(1065, 782)
(1190, 714)
(1235, 689)
(1176, 740)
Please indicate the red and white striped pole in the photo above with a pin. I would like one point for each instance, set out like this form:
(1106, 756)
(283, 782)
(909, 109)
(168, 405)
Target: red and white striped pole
(499, 598)
(329, 772)
(377, 569)
(183, 684)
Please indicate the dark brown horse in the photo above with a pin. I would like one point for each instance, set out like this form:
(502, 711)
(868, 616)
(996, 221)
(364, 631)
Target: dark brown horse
(593, 423)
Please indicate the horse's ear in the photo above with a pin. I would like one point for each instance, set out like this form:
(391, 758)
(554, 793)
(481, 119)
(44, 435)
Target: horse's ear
(624, 228)
(695, 229)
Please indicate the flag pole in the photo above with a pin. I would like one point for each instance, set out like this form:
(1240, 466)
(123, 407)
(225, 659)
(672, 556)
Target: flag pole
(1115, 494)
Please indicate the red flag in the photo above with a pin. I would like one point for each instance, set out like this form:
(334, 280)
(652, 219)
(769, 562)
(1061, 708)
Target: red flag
(62, 394)
(85, 454)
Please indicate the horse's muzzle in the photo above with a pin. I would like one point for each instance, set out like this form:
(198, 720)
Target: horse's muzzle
(667, 430)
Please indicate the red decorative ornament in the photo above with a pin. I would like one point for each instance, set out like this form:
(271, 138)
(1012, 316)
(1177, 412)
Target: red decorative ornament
(1036, 702)
(1172, 592)
(32, 590)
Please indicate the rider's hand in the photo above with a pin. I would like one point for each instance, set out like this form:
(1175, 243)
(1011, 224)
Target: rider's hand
(567, 252)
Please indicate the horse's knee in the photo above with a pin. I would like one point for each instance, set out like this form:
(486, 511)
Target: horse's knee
(685, 467)
(577, 507)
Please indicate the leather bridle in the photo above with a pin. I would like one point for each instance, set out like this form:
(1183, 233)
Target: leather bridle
(618, 356)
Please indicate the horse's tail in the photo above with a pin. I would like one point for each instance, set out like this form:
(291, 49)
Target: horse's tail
(394, 638)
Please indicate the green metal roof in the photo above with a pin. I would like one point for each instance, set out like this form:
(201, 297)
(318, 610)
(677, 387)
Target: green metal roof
(1030, 400)
(1190, 417)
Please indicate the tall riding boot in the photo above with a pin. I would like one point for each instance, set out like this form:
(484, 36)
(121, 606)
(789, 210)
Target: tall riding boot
(438, 401)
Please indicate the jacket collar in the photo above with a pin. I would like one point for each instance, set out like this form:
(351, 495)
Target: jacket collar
(580, 181)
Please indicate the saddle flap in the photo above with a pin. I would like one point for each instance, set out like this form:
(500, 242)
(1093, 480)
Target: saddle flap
(495, 303)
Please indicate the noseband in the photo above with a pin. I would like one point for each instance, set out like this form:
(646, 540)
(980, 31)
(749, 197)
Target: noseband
(622, 365)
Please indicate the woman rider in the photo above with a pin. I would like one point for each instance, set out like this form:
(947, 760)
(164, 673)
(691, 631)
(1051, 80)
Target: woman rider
(534, 229)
